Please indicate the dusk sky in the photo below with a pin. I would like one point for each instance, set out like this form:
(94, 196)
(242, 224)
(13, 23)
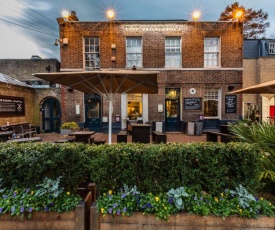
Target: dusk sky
(29, 27)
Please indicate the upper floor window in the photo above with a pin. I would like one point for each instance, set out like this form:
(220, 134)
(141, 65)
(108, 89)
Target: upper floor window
(172, 52)
(133, 51)
(91, 53)
(211, 52)
(271, 48)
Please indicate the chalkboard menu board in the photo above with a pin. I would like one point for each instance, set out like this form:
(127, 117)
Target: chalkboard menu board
(12, 106)
(230, 103)
(192, 103)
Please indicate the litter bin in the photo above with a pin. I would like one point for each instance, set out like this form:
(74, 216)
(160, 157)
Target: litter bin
(190, 130)
(198, 128)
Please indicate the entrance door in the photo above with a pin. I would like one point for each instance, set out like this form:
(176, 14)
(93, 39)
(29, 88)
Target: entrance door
(93, 112)
(172, 110)
(51, 115)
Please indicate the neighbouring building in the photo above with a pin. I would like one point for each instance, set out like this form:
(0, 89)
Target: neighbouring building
(41, 99)
(199, 63)
(259, 67)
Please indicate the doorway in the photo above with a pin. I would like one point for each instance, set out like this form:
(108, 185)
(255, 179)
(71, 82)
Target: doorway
(93, 112)
(172, 110)
(51, 114)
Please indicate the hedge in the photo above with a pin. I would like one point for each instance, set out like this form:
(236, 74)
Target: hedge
(210, 167)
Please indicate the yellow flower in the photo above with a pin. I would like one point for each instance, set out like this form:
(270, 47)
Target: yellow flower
(110, 192)
(104, 194)
(261, 198)
(221, 194)
(8, 201)
(269, 203)
(157, 199)
(68, 193)
(32, 192)
(216, 199)
(240, 210)
(102, 210)
(165, 208)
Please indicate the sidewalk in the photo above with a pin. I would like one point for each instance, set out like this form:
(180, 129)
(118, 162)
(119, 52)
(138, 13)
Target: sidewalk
(171, 137)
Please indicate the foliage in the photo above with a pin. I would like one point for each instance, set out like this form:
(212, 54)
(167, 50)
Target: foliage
(69, 125)
(163, 205)
(264, 135)
(47, 197)
(176, 195)
(210, 167)
(29, 163)
(254, 21)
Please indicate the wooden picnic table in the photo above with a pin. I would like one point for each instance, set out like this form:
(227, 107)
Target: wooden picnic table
(141, 133)
(82, 136)
(25, 140)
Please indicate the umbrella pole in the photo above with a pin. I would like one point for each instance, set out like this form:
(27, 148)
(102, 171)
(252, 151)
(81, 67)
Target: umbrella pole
(110, 121)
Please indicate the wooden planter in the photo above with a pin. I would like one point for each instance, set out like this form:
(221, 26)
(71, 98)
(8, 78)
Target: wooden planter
(181, 221)
(73, 220)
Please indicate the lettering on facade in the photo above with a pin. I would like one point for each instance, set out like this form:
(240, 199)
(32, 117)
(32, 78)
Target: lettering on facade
(230, 103)
(153, 28)
(12, 106)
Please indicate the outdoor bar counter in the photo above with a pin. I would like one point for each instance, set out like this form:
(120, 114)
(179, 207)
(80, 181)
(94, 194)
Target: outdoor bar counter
(141, 133)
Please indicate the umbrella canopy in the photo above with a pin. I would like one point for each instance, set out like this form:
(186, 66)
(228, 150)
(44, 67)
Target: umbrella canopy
(267, 87)
(106, 83)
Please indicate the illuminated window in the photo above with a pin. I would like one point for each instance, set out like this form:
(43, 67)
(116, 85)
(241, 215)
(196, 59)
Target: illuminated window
(133, 51)
(134, 108)
(211, 52)
(211, 102)
(91, 53)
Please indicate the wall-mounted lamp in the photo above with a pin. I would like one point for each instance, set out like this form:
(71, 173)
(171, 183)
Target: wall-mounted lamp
(113, 59)
(113, 46)
(63, 41)
(230, 87)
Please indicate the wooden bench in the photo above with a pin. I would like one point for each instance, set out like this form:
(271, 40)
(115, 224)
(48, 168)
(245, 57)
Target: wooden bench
(158, 137)
(224, 137)
(122, 137)
(24, 140)
(23, 130)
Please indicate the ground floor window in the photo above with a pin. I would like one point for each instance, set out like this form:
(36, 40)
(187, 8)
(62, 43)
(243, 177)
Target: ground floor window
(211, 102)
(134, 106)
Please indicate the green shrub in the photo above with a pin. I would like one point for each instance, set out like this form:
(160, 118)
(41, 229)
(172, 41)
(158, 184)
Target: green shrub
(69, 125)
(211, 167)
(29, 163)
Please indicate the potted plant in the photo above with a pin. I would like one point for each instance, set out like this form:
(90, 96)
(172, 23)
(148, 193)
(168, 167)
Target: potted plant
(68, 127)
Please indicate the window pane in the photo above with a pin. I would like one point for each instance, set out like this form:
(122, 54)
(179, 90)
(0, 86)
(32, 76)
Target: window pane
(92, 53)
(172, 52)
(211, 52)
(133, 51)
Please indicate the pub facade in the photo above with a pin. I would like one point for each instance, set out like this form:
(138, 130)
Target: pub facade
(199, 63)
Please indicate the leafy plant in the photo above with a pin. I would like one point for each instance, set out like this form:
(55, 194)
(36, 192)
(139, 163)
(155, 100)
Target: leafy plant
(49, 186)
(243, 195)
(263, 134)
(176, 195)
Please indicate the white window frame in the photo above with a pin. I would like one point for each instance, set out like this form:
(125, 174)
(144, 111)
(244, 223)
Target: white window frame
(211, 52)
(173, 56)
(134, 56)
(90, 51)
(213, 94)
(271, 48)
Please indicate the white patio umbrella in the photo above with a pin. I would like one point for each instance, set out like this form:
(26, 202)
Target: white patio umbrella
(107, 83)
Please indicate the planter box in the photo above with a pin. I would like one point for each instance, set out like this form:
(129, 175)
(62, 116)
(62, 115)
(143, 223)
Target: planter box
(66, 131)
(73, 220)
(181, 221)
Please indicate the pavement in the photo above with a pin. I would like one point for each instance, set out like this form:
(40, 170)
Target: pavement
(171, 137)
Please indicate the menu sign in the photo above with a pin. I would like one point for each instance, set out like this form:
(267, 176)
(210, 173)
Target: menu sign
(12, 106)
(192, 103)
(230, 103)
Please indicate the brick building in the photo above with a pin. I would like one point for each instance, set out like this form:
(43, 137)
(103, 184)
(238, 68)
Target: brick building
(259, 67)
(42, 99)
(198, 64)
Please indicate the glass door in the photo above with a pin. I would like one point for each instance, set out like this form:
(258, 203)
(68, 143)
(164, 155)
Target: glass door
(172, 110)
(51, 115)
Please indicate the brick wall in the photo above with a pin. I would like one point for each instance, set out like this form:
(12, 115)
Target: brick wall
(29, 97)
